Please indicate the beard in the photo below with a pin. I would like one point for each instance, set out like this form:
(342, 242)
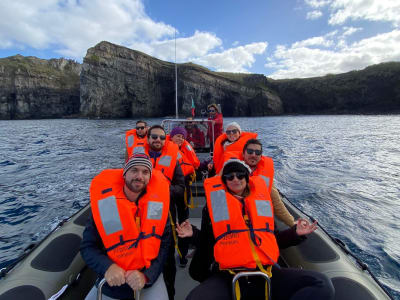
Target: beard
(135, 185)
(156, 147)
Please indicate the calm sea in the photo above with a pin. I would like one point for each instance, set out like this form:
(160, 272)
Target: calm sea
(343, 170)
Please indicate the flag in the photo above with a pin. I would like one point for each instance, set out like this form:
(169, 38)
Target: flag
(192, 107)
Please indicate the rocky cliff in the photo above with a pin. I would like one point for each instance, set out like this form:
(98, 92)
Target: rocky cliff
(37, 88)
(376, 89)
(117, 82)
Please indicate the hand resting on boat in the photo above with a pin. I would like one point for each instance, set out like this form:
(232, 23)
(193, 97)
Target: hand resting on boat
(135, 279)
(115, 275)
(303, 227)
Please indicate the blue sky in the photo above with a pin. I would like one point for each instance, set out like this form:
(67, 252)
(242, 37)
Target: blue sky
(280, 39)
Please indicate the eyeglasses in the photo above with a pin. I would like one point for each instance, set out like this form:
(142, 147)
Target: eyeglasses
(251, 151)
(238, 175)
(140, 128)
(211, 110)
(156, 136)
(233, 131)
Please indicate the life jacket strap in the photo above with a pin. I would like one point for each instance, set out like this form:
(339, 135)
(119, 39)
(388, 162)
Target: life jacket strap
(135, 242)
(174, 234)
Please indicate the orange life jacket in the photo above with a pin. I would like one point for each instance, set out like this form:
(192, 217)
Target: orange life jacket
(233, 230)
(167, 161)
(130, 234)
(265, 169)
(189, 161)
(134, 144)
(237, 147)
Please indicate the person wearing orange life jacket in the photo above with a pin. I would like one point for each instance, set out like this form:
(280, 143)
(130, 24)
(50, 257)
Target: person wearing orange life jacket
(237, 232)
(263, 166)
(165, 158)
(233, 141)
(189, 163)
(127, 237)
(136, 139)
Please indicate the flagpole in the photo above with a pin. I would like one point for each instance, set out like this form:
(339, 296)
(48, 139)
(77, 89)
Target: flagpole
(176, 84)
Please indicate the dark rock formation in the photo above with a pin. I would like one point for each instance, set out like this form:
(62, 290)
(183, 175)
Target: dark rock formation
(117, 82)
(376, 89)
(36, 88)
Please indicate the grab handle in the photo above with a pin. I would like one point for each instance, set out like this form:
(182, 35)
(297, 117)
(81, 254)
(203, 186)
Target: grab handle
(100, 287)
(249, 274)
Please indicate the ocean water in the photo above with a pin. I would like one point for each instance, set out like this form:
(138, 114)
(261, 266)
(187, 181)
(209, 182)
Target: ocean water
(343, 170)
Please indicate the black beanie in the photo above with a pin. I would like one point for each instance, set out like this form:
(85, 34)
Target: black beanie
(235, 165)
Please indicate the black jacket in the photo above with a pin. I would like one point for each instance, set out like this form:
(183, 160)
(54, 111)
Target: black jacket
(203, 263)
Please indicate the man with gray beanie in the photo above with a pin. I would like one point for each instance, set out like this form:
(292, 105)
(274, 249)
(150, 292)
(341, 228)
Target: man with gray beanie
(128, 234)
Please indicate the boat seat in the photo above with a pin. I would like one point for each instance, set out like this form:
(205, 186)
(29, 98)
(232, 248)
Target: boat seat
(23, 292)
(58, 254)
(347, 289)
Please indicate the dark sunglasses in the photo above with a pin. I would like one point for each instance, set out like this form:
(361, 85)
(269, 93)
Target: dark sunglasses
(140, 128)
(233, 131)
(251, 151)
(238, 175)
(211, 110)
(156, 136)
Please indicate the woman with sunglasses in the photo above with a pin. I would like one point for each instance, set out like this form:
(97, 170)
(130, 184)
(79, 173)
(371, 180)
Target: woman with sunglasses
(216, 116)
(230, 144)
(237, 233)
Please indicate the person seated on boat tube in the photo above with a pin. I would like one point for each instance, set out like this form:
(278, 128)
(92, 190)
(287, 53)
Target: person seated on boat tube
(164, 156)
(127, 237)
(263, 166)
(231, 141)
(189, 163)
(214, 115)
(237, 233)
(194, 135)
(135, 139)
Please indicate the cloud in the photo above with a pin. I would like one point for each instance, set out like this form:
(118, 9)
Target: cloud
(342, 11)
(233, 60)
(313, 15)
(200, 44)
(70, 27)
(300, 60)
(317, 3)
(323, 41)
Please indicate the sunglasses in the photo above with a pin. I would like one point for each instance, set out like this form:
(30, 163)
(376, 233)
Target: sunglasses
(156, 136)
(238, 175)
(140, 128)
(233, 131)
(211, 110)
(251, 151)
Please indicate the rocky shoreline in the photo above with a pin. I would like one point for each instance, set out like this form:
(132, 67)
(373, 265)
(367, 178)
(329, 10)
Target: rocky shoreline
(117, 82)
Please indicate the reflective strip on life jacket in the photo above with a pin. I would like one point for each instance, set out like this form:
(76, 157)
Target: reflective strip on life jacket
(165, 161)
(109, 215)
(131, 140)
(139, 149)
(219, 205)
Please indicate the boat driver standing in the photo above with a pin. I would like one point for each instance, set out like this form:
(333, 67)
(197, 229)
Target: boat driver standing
(127, 237)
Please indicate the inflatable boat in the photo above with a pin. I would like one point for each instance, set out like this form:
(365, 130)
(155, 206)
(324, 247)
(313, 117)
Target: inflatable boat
(54, 269)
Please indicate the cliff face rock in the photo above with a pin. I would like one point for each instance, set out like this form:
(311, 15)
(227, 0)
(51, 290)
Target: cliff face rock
(376, 89)
(117, 82)
(36, 88)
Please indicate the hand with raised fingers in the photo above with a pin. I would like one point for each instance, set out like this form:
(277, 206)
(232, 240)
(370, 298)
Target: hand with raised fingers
(135, 279)
(115, 275)
(185, 229)
(304, 227)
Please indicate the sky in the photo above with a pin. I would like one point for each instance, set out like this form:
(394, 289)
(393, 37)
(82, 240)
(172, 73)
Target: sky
(277, 38)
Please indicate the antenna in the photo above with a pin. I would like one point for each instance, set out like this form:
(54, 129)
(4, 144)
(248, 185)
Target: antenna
(176, 83)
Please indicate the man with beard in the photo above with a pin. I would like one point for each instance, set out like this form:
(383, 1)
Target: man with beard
(136, 139)
(263, 166)
(127, 237)
(164, 156)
